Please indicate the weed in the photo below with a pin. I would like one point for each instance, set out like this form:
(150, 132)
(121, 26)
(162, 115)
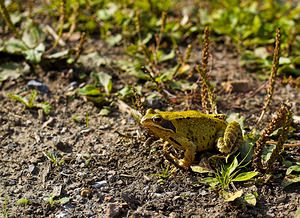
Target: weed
(226, 174)
(52, 201)
(53, 158)
(292, 175)
(5, 15)
(87, 119)
(23, 201)
(62, 5)
(30, 102)
(282, 122)
(208, 98)
(165, 173)
(5, 211)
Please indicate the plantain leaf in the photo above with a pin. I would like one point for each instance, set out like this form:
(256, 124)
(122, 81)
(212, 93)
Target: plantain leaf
(290, 179)
(105, 80)
(231, 196)
(244, 176)
(89, 90)
(295, 168)
(233, 166)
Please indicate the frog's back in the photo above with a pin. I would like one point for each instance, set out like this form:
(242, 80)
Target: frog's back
(192, 115)
(198, 127)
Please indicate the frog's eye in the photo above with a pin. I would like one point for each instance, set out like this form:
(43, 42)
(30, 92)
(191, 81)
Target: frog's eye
(157, 119)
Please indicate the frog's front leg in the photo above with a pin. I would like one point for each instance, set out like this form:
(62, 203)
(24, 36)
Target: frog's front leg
(189, 156)
(230, 139)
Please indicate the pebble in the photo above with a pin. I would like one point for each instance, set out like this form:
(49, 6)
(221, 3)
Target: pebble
(100, 184)
(31, 168)
(61, 215)
(39, 86)
(114, 210)
(72, 86)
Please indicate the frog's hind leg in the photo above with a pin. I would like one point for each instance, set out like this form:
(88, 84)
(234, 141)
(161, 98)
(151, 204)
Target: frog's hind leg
(232, 137)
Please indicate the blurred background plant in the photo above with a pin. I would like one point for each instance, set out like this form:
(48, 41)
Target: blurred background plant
(159, 36)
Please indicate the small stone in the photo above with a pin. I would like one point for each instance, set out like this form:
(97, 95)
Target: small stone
(63, 130)
(31, 168)
(39, 86)
(28, 122)
(114, 210)
(57, 191)
(61, 215)
(100, 184)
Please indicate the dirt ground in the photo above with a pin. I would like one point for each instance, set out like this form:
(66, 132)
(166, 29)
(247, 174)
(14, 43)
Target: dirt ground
(108, 169)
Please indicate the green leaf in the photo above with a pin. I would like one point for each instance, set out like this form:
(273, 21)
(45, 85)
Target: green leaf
(290, 179)
(256, 24)
(201, 169)
(166, 57)
(108, 12)
(23, 201)
(228, 196)
(35, 55)
(114, 40)
(284, 60)
(233, 166)
(59, 55)
(12, 70)
(104, 111)
(93, 60)
(105, 81)
(295, 168)
(15, 46)
(89, 90)
(250, 199)
(267, 152)
(126, 91)
(32, 36)
(18, 98)
(147, 38)
(296, 60)
(45, 106)
(96, 99)
(63, 200)
(244, 176)
(211, 181)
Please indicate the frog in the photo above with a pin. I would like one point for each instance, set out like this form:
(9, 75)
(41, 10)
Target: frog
(192, 131)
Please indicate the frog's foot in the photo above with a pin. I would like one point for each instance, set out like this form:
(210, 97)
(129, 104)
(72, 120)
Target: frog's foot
(179, 163)
(184, 164)
(231, 140)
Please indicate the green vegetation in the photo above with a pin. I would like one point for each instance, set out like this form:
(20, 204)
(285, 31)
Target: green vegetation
(165, 174)
(52, 200)
(23, 201)
(53, 158)
(4, 209)
(229, 173)
(31, 102)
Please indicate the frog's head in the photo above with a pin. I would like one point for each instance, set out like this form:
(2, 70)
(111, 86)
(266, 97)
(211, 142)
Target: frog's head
(158, 123)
